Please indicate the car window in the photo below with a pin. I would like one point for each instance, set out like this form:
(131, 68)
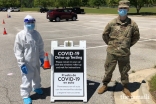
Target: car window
(70, 10)
(59, 10)
(65, 10)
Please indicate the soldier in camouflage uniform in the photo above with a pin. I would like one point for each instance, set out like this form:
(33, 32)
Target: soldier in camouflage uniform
(120, 34)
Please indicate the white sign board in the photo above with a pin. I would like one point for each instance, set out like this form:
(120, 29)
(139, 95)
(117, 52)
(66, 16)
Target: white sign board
(68, 71)
(68, 84)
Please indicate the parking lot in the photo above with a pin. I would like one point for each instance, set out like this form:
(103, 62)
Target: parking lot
(87, 27)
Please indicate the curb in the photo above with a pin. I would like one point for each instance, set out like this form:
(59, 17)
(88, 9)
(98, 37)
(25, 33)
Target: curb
(139, 88)
(144, 90)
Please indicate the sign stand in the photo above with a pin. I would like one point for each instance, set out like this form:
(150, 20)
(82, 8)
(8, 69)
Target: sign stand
(68, 71)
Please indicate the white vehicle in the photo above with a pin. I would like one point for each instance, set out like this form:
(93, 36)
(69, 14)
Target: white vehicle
(14, 9)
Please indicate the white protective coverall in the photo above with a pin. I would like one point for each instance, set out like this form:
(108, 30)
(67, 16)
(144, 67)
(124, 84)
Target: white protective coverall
(28, 50)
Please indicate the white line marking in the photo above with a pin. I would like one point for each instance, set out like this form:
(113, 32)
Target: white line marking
(18, 29)
(151, 40)
(60, 30)
(96, 47)
(147, 27)
(148, 39)
(106, 45)
(71, 37)
(86, 26)
(88, 35)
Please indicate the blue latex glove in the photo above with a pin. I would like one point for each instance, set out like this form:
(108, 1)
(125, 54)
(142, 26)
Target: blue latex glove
(42, 61)
(24, 69)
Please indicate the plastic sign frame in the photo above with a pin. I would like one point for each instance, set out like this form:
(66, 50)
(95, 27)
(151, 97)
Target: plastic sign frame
(68, 71)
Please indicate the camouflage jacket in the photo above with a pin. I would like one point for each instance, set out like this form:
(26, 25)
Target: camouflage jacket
(120, 36)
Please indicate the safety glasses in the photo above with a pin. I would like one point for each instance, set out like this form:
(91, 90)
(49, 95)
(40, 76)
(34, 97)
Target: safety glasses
(29, 21)
(122, 8)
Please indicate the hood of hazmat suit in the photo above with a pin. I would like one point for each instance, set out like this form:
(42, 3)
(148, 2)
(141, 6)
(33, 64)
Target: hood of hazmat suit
(29, 46)
(29, 23)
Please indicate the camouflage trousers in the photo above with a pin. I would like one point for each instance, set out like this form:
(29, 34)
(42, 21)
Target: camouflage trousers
(110, 64)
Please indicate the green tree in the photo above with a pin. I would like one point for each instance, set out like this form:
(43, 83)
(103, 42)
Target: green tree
(26, 3)
(37, 3)
(10, 3)
(3, 3)
(112, 3)
(84, 2)
(63, 3)
(56, 4)
(97, 3)
(138, 4)
(74, 3)
(44, 3)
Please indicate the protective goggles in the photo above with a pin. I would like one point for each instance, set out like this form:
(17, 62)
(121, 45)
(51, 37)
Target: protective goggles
(29, 21)
(122, 8)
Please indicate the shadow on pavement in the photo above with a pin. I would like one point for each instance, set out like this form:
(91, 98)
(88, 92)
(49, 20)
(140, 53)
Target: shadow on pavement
(91, 88)
(43, 96)
(131, 86)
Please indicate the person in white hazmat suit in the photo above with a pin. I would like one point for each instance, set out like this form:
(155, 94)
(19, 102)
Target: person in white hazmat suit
(28, 50)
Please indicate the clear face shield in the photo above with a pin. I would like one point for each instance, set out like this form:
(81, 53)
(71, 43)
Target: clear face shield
(29, 24)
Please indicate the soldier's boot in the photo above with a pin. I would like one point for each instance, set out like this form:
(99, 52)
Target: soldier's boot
(102, 89)
(127, 92)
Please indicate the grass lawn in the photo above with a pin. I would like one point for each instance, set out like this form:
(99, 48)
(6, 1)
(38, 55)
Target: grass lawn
(152, 84)
(107, 10)
(30, 9)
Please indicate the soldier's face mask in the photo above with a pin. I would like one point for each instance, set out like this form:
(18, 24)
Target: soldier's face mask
(122, 11)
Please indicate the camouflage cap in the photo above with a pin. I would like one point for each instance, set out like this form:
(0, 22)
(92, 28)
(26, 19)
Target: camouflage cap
(124, 3)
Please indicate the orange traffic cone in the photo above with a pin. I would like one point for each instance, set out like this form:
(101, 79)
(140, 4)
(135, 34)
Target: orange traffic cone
(46, 62)
(3, 22)
(4, 33)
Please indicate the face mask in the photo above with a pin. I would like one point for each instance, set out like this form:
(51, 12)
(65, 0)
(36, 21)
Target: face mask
(30, 26)
(122, 12)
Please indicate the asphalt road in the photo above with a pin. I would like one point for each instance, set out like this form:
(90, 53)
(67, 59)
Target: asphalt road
(87, 27)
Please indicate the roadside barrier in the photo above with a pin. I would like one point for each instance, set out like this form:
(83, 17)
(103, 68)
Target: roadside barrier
(46, 62)
(4, 33)
(3, 22)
